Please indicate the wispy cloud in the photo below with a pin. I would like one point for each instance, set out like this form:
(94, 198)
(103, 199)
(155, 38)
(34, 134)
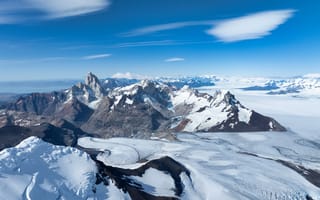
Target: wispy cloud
(129, 75)
(52, 59)
(32, 60)
(97, 56)
(17, 11)
(175, 59)
(63, 8)
(164, 27)
(252, 26)
(146, 43)
(247, 27)
(7, 19)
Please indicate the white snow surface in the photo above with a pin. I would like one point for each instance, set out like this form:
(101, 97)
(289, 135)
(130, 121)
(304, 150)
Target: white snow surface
(37, 170)
(207, 112)
(244, 115)
(156, 182)
(219, 170)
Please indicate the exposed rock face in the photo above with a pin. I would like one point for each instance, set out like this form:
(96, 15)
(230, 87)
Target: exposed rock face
(131, 111)
(62, 133)
(139, 109)
(125, 120)
(93, 82)
(74, 111)
(87, 92)
(23, 119)
(122, 179)
(39, 103)
(220, 112)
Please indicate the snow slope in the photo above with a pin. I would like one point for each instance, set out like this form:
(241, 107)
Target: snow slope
(221, 165)
(224, 166)
(37, 170)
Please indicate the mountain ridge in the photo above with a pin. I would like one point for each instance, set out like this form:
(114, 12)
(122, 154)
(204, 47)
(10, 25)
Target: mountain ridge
(143, 108)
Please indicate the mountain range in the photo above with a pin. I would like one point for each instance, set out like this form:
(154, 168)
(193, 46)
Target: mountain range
(135, 109)
(305, 85)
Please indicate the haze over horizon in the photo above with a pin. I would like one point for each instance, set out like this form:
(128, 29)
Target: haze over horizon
(65, 40)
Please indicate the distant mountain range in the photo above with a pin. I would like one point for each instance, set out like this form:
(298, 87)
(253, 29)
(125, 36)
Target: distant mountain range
(133, 109)
(306, 85)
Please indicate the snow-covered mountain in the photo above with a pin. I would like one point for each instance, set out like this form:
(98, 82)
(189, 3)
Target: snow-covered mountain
(90, 92)
(192, 82)
(220, 112)
(198, 167)
(303, 85)
(141, 108)
(38, 170)
(308, 85)
(150, 106)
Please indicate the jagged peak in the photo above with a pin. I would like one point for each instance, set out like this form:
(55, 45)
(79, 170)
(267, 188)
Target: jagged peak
(92, 80)
(146, 83)
(186, 88)
(94, 83)
(141, 85)
(225, 96)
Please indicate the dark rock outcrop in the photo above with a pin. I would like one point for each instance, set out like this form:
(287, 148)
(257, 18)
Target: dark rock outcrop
(61, 133)
(39, 103)
(122, 179)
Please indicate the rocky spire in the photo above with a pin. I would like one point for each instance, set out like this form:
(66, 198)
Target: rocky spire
(93, 82)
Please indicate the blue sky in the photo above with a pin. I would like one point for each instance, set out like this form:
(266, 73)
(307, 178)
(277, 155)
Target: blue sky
(57, 39)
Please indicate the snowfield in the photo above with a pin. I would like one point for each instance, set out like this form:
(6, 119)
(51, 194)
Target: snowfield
(156, 183)
(37, 170)
(223, 165)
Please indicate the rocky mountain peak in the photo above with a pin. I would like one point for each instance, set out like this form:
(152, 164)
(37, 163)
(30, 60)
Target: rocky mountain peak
(146, 82)
(93, 82)
(91, 79)
(226, 97)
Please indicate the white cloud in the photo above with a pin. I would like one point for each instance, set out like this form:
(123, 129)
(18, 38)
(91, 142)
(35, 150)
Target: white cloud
(252, 26)
(247, 27)
(97, 56)
(32, 60)
(165, 27)
(17, 11)
(313, 75)
(146, 43)
(129, 75)
(176, 59)
(65, 8)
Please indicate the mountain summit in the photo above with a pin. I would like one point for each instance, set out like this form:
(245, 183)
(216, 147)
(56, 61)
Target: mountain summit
(93, 82)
